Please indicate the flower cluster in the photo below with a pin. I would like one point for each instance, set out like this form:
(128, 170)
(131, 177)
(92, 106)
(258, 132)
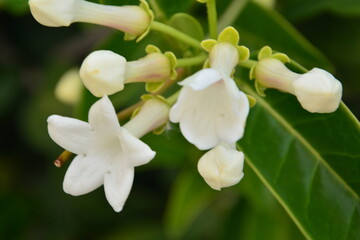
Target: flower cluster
(209, 107)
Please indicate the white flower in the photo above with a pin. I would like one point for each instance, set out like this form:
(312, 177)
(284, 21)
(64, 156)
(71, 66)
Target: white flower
(222, 166)
(133, 20)
(106, 153)
(104, 72)
(210, 107)
(318, 91)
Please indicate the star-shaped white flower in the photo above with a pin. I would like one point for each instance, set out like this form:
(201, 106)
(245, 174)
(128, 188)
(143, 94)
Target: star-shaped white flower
(106, 153)
(210, 109)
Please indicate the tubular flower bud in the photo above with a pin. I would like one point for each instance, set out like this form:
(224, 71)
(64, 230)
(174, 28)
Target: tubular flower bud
(133, 20)
(222, 166)
(317, 90)
(104, 72)
(151, 116)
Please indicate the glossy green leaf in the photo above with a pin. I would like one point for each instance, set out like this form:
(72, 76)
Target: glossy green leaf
(190, 197)
(310, 163)
(300, 9)
(187, 24)
(259, 26)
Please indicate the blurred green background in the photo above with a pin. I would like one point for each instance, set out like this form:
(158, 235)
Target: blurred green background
(169, 199)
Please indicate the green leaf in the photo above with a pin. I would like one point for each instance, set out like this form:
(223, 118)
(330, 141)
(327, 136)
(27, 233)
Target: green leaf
(310, 163)
(259, 26)
(190, 197)
(301, 9)
(187, 24)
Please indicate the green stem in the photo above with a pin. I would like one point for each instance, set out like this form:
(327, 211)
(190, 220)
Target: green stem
(248, 63)
(232, 12)
(298, 66)
(184, 62)
(212, 18)
(173, 98)
(161, 27)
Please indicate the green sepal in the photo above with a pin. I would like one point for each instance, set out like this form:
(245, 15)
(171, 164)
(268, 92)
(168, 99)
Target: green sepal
(252, 100)
(208, 44)
(135, 112)
(206, 63)
(265, 52)
(260, 89)
(160, 129)
(144, 5)
(129, 37)
(152, 49)
(229, 35)
(173, 62)
(153, 87)
(252, 73)
(282, 57)
(147, 97)
(244, 53)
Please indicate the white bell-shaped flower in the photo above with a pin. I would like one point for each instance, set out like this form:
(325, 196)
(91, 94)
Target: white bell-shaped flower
(222, 166)
(318, 91)
(210, 107)
(106, 153)
(133, 20)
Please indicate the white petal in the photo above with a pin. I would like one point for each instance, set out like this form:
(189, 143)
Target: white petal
(69, 133)
(137, 152)
(214, 114)
(102, 116)
(85, 174)
(202, 79)
(117, 185)
(230, 125)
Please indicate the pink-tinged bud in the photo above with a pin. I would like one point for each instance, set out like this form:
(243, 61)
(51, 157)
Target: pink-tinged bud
(133, 20)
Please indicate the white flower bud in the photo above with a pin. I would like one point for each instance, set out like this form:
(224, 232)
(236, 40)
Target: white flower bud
(103, 72)
(55, 13)
(68, 89)
(272, 73)
(152, 115)
(154, 67)
(318, 91)
(222, 166)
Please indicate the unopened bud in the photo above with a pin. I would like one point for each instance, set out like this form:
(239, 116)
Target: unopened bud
(152, 115)
(317, 90)
(133, 20)
(222, 166)
(103, 72)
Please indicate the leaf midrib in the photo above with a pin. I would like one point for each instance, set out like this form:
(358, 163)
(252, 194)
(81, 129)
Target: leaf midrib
(302, 140)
